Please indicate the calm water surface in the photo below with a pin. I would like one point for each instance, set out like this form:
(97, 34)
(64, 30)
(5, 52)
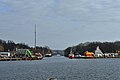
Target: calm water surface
(61, 68)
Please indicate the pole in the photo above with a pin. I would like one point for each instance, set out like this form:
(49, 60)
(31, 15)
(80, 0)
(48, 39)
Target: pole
(35, 36)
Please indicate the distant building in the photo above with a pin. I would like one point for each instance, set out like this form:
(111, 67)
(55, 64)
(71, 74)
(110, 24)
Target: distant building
(58, 52)
(98, 52)
(111, 54)
(4, 54)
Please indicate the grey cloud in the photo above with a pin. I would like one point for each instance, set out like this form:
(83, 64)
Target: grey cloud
(66, 21)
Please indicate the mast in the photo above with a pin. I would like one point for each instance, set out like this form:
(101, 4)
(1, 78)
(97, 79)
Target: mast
(35, 36)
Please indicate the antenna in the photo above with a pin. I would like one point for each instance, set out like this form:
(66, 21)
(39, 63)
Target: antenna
(35, 36)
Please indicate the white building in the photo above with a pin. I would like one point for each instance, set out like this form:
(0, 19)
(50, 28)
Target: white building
(98, 52)
(4, 54)
(111, 54)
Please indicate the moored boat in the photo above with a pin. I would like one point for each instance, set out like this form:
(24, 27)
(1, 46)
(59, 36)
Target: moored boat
(71, 56)
(48, 55)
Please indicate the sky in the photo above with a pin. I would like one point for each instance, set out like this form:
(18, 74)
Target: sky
(60, 23)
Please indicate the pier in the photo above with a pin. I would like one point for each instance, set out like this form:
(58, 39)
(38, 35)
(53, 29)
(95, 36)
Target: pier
(18, 59)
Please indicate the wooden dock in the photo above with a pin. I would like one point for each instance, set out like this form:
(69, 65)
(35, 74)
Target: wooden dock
(10, 59)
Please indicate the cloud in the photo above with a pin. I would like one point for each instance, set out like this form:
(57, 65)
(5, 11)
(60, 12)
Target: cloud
(61, 21)
(85, 10)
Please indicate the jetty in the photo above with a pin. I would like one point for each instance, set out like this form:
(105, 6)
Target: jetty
(20, 54)
(18, 59)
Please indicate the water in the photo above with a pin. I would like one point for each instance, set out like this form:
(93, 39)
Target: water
(61, 68)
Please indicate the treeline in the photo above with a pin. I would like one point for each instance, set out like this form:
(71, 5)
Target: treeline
(12, 46)
(106, 47)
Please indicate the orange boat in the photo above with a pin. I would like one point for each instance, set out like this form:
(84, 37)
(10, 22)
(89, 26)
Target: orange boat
(89, 54)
